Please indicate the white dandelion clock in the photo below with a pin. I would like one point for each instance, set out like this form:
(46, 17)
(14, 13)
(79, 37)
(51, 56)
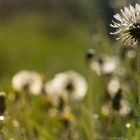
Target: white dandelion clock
(29, 80)
(67, 85)
(110, 66)
(127, 25)
(113, 86)
(105, 65)
(125, 108)
(117, 105)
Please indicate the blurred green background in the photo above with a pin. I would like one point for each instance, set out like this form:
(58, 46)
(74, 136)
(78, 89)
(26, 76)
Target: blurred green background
(52, 35)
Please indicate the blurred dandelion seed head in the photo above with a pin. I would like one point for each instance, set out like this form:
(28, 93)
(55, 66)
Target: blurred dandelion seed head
(127, 25)
(113, 86)
(128, 125)
(90, 55)
(131, 54)
(65, 85)
(27, 80)
(2, 118)
(105, 65)
(125, 108)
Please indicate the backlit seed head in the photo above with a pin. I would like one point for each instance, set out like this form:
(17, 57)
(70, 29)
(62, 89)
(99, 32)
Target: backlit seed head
(127, 25)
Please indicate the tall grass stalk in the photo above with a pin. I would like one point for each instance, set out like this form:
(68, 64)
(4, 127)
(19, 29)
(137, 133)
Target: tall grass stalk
(138, 73)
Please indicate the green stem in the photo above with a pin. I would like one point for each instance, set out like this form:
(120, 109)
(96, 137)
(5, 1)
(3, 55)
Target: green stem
(2, 136)
(138, 74)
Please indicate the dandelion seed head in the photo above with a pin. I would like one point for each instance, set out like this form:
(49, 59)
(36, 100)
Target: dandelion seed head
(125, 108)
(105, 65)
(122, 109)
(131, 54)
(2, 118)
(28, 80)
(67, 84)
(128, 125)
(90, 54)
(127, 25)
(113, 86)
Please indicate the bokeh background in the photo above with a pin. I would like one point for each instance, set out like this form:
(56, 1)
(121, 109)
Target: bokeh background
(52, 36)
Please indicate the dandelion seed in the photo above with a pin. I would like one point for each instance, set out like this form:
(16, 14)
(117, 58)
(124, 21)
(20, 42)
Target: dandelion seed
(127, 25)
(27, 80)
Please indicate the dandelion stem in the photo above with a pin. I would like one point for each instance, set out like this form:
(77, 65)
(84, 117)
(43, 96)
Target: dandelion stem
(138, 72)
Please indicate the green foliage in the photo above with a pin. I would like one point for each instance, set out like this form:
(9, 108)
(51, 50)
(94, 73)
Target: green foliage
(51, 44)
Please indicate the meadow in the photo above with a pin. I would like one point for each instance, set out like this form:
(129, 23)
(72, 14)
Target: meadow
(64, 77)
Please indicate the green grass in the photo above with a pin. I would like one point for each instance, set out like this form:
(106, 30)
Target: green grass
(28, 41)
(33, 41)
